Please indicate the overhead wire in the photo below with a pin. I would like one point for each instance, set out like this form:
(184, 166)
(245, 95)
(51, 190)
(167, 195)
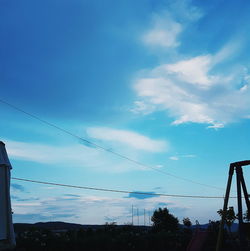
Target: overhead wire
(120, 191)
(97, 146)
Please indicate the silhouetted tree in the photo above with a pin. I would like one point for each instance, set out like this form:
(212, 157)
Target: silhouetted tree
(163, 220)
(187, 222)
(230, 217)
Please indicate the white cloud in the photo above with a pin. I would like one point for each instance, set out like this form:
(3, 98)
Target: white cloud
(77, 155)
(188, 156)
(216, 126)
(228, 51)
(163, 33)
(48, 154)
(142, 107)
(206, 88)
(91, 209)
(184, 10)
(167, 24)
(193, 71)
(165, 94)
(174, 158)
(191, 93)
(128, 138)
(159, 166)
(178, 156)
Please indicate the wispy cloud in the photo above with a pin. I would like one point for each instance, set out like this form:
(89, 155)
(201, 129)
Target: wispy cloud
(72, 195)
(174, 158)
(167, 24)
(17, 187)
(45, 153)
(191, 93)
(128, 138)
(193, 71)
(87, 209)
(164, 32)
(141, 107)
(179, 156)
(142, 196)
(128, 143)
(198, 89)
(18, 198)
(188, 156)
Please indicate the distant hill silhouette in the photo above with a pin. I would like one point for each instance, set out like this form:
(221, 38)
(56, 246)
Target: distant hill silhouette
(59, 225)
(55, 225)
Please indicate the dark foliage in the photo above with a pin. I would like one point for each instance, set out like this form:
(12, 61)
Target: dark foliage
(108, 238)
(163, 220)
(187, 222)
(230, 217)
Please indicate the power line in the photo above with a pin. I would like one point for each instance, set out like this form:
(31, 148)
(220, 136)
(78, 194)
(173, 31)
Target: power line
(121, 191)
(105, 149)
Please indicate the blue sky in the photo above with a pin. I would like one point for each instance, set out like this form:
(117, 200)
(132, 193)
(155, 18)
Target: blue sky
(165, 83)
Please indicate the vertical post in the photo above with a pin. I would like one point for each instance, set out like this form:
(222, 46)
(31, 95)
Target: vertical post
(244, 188)
(144, 217)
(7, 238)
(132, 214)
(138, 216)
(229, 182)
(239, 199)
(8, 209)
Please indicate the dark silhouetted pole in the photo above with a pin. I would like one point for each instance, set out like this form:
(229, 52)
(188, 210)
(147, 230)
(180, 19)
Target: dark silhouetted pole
(144, 217)
(132, 215)
(229, 182)
(244, 188)
(7, 237)
(138, 216)
(239, 200)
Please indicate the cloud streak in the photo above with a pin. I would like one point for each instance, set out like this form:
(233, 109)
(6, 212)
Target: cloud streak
(164, 32)
(128, 138)
(87, 209)
(127, 143)
(17, 187)
(167, 25)
(142, 196)
(190, 93)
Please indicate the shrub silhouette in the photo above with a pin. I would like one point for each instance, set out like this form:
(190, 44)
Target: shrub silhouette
(164, 221)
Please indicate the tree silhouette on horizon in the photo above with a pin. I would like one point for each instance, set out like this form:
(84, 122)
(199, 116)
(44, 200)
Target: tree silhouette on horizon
(163, 220)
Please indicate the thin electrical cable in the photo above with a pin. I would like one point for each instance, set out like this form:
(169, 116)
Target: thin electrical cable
(106, 149)
(120, 191)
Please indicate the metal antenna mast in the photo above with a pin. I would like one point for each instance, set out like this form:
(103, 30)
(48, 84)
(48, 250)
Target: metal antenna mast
(132, 214)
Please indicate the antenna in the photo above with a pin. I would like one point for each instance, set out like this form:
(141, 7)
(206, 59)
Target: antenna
(149, 218)
(144, 217)
(138, 216)
(132, 214)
